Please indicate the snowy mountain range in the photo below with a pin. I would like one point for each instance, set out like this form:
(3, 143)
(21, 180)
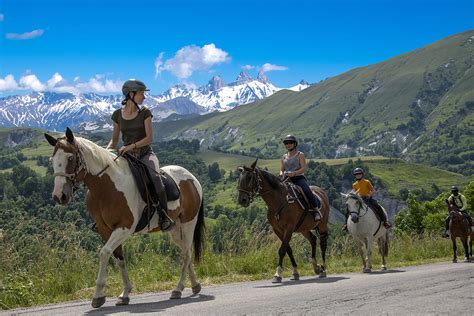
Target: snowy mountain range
(88, 112)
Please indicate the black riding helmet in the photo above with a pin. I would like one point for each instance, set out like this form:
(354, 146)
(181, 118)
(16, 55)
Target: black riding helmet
(454, 189)
(357, 171)
(290, 139)
(132, 85)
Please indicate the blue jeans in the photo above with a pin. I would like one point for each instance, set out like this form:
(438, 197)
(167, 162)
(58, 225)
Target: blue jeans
(303, 183)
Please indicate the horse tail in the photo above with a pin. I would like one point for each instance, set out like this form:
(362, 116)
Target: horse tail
(198, 238)
(383, 245)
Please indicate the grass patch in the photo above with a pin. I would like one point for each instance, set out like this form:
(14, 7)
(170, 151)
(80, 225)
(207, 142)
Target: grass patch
(69, 274)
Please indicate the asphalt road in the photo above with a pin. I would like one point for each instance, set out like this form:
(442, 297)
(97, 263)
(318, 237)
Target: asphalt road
(429, 289)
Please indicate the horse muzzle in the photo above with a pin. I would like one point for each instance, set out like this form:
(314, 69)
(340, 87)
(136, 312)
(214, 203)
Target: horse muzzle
(243, 200)
(354, 218)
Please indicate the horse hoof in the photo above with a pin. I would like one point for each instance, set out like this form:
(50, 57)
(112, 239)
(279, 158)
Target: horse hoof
(384, 269)
(98, 301)
(122, 301)
(276, 279)
(196, 289)
(455, 261)
(175, 295)
(322, 274)
(367, 270)
(466, 260)
(295, 277)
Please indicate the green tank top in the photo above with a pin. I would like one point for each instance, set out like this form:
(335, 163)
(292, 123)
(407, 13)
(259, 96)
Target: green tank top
(132, 130)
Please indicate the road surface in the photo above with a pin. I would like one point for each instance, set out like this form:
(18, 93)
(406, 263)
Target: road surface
(429, 289)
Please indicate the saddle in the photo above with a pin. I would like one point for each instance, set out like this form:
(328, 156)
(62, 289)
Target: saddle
(143, 179)
(296, 194)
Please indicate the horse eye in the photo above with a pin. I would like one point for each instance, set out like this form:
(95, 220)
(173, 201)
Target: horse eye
(70, 158)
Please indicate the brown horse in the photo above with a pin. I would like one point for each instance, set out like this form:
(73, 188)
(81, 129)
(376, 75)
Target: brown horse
(459, 228)
(285, 218)
(116, 206)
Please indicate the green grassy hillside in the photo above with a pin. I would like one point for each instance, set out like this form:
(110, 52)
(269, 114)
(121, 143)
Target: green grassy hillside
(400, 107)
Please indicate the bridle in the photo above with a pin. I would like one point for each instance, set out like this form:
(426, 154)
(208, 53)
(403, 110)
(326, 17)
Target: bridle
(80, 166)
(359, 202)
(255, 184)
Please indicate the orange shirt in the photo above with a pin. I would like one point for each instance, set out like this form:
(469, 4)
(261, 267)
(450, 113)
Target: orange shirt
(363, 187)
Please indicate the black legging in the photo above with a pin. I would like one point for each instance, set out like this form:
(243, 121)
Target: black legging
(376, 207)
(303, 183)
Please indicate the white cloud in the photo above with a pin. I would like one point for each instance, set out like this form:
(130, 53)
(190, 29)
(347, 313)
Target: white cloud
(8, 83)
(2, 17)
(57, 83)
(24, 36)
(191, 58)
(270, 67)
(31, 82)
(97, 84)
(248, 67)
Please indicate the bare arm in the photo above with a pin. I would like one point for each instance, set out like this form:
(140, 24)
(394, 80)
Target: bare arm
(282, 167)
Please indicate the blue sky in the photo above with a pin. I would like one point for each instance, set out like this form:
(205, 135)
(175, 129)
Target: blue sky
(95, 45)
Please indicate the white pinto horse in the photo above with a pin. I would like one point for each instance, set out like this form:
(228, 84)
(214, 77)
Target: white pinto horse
(115, 204)
(365, 227)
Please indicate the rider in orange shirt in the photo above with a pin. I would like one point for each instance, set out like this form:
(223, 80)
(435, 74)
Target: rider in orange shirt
(364, 188)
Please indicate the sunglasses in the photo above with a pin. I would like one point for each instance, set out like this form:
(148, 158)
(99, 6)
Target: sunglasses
(287, 143)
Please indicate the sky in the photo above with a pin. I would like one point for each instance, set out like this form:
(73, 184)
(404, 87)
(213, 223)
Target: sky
(94, 45)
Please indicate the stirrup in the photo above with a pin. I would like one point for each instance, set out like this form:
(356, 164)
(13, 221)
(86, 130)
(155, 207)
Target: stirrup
(165, 222)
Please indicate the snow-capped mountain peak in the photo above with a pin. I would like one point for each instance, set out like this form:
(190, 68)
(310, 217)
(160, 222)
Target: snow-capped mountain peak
(90, 111)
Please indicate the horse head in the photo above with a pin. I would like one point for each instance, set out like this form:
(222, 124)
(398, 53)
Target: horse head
(248, 185)
(453, 211)
(68, 166)
(354, 204)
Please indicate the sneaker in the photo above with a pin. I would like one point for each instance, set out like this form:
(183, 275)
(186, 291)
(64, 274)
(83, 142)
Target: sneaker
(387, 225)
(165, 222)
(317, 216)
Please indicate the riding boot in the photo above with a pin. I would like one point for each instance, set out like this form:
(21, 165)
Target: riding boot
(166, 223)
(381, 214)
(446, 228)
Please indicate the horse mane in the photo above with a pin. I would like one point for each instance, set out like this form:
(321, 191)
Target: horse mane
(352, 194)
(98, 154)
(273, 180)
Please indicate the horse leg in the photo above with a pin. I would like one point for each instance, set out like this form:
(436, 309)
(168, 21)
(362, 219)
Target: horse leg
(470, 246)
(296, 275)
(383, 250)
(183, 237)
(124, 298)
(368, 268)
(323, 244)
(466, 249)
(455, 258)
(285, 240)
(117, 237)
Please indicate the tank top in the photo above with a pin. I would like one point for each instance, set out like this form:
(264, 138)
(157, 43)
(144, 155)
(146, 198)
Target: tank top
(292, 163)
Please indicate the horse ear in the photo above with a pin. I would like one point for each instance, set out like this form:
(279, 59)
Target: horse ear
(254, 164)
(69, 135)
(51, 140)
(343, 195)
(240, 169)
